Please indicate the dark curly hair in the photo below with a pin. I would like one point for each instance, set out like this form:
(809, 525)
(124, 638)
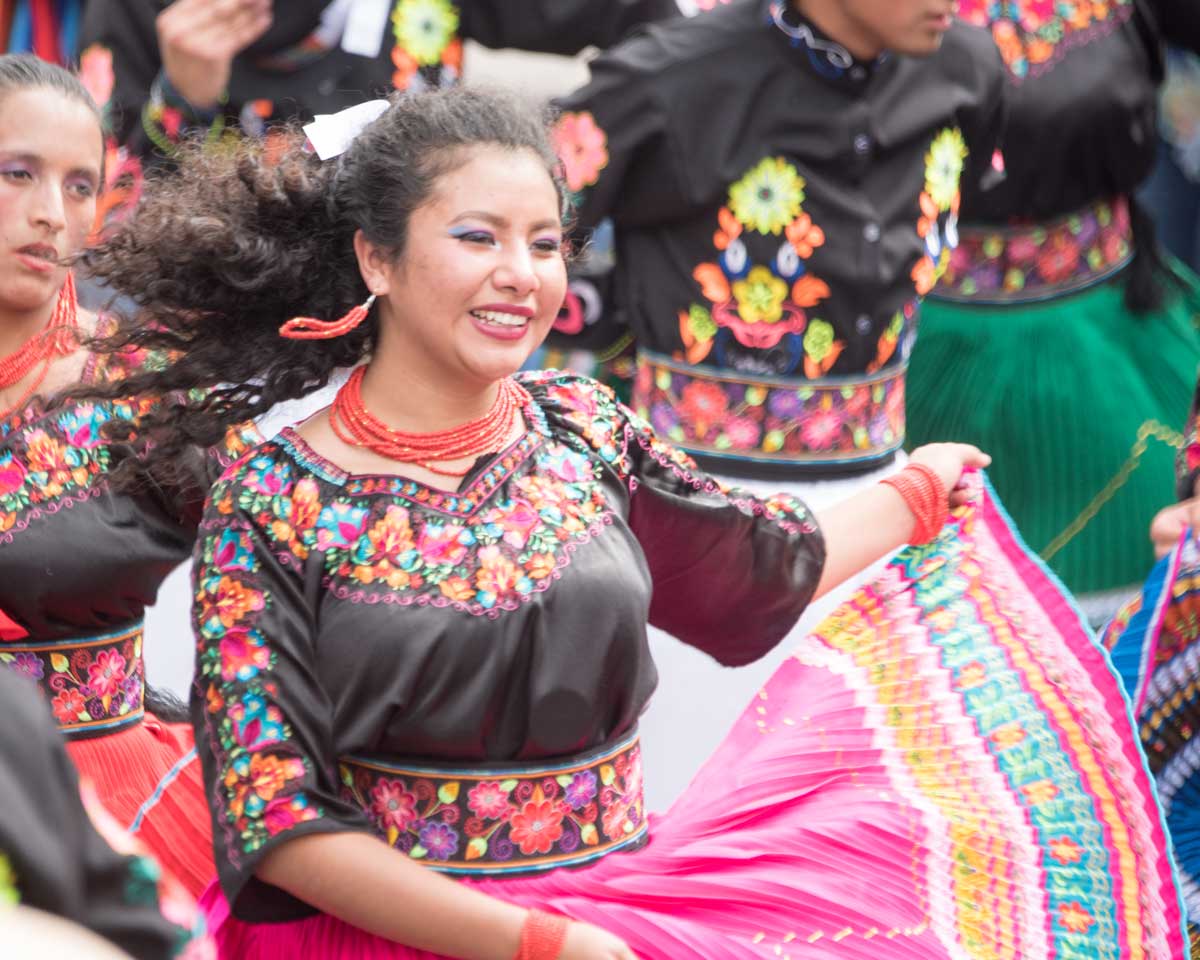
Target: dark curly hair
(220, 253)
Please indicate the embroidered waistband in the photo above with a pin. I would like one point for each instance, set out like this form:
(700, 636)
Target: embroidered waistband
(96, 685)
(826, 422)
(506, 819)
(1038, 261)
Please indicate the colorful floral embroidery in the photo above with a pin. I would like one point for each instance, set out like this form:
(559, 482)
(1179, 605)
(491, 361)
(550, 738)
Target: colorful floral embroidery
(92, 684)
(464, 822)
(428, 50)
(1032, 34)
(726, 414)
(96, 73)
(582, 147)
(760, 305)
(55, 459)
(939, 201)
(263, 778)
(1035, 261)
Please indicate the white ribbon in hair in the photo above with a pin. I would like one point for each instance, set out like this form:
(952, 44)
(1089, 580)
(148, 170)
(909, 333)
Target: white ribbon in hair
(332, 133)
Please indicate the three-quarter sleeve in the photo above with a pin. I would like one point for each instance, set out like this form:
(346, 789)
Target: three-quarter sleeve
(52, 857)
(732, 572)
(558, 26)
(262, 720)
(984, 125)
(1187, 464)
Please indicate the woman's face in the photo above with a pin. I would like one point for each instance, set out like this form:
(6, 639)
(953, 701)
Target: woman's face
(482, 274)
(50, 160)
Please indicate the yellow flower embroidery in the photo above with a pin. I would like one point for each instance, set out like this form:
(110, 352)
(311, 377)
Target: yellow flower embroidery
(760, 296)
(768, 197)
(944, 167)
(424, 28)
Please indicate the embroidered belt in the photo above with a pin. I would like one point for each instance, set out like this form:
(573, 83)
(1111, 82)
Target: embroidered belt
(825, 422)
(1038, 261)
(506, 819)
(96, 685)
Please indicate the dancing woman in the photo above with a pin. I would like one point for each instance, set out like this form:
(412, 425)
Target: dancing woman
(421, 616)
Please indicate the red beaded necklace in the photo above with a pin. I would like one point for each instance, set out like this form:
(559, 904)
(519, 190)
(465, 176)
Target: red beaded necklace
(57, 339)
(356, 425)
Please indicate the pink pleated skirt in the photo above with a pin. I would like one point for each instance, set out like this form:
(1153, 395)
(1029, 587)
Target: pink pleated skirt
(945, 768)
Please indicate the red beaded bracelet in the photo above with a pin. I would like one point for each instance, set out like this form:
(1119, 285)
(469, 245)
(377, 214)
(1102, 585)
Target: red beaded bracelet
(925, 495)
(542, 936)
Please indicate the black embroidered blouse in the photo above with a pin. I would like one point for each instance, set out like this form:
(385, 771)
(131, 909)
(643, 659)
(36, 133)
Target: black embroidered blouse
(79, 563)
(779, 208)
(369, 616)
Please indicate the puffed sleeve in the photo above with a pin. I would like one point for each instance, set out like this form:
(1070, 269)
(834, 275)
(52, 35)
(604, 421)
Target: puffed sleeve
(558, 26)
(1187, 464)
(262, 720)
(51, 856)
(732, 571)
(613, 139)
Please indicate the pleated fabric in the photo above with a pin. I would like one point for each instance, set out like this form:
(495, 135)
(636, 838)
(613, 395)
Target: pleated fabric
(1057, 392)
(945, 768)
(148, 779)
(1155, 646)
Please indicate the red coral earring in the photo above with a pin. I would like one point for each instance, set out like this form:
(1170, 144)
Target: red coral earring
(310, 328)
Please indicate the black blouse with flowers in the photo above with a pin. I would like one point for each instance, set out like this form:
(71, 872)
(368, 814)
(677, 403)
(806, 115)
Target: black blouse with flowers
(370, 616)
(779, 207)
(1188, 463)
(298, 68)
(1081, 136)
(79, 563)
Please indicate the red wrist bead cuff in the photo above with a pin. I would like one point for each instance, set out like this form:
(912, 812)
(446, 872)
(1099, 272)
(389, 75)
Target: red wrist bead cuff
(925, 495)
(542, 936)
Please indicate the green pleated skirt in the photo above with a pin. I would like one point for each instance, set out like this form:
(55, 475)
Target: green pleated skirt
(1078, 401)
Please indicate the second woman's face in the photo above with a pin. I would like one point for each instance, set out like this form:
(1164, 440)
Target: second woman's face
(50, 161)
(482, 275)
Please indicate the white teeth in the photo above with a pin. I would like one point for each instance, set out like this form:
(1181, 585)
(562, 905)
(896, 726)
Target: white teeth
(501, 319)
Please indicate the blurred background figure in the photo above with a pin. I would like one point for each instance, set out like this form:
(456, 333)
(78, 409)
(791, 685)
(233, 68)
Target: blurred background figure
(61, 858)
(1059, 339)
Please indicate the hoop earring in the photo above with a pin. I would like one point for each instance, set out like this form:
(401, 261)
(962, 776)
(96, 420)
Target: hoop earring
(310, 328)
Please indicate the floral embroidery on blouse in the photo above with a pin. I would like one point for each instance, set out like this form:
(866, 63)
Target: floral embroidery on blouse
(56, 460)
(261, 773)
(939, 201)
(761, 304)
(1032, 34)
(428, 50)
(582, 146)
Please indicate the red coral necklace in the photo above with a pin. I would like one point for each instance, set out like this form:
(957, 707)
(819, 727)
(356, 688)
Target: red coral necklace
(57, 339)
(356, 425)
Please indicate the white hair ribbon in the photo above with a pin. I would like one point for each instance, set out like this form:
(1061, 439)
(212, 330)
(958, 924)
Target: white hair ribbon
(332, 133)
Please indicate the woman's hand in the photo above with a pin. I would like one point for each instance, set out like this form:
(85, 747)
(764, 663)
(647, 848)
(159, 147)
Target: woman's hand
(1170, 522)
(949, 461)
(585, 942)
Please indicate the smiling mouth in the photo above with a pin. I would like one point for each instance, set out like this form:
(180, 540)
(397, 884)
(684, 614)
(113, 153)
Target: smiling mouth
(500, 319)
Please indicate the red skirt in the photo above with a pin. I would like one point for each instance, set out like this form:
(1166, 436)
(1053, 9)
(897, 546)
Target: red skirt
(148, 778)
